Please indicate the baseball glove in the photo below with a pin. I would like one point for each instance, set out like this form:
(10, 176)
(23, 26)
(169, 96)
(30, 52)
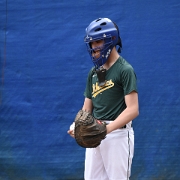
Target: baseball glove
(88, 132)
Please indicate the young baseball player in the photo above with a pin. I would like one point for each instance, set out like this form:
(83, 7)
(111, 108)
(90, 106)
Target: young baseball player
(111, 96)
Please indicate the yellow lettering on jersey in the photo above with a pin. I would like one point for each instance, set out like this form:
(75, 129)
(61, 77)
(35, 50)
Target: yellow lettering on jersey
(98, 89)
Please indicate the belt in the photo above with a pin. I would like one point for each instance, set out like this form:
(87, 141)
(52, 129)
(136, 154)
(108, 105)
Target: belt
(108, 122)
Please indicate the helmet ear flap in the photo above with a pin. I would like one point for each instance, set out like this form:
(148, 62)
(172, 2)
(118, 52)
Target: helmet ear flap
(119, 43)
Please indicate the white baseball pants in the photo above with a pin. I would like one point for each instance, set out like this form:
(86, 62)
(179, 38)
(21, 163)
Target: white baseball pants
(112, 159)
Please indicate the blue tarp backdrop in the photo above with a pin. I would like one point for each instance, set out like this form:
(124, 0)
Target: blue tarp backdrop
(43, 70)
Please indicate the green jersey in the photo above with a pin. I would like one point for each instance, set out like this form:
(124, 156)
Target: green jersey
(108, 100)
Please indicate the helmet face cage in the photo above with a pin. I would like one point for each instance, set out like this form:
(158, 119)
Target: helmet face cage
(104, 50)
(101, 29)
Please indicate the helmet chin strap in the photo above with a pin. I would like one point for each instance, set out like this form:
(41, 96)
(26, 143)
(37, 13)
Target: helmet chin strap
(101, 73)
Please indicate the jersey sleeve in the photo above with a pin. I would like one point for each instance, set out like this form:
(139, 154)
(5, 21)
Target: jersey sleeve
(129, 80)
(88, 89)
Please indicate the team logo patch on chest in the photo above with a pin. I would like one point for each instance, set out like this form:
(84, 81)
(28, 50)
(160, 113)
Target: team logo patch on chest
(98, 89)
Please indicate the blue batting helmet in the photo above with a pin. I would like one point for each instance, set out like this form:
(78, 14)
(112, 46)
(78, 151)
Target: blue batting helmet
(102, 29)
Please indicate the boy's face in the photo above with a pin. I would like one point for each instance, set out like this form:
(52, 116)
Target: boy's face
(97, 46)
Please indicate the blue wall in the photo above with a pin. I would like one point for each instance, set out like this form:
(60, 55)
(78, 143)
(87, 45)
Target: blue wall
(43, 69)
